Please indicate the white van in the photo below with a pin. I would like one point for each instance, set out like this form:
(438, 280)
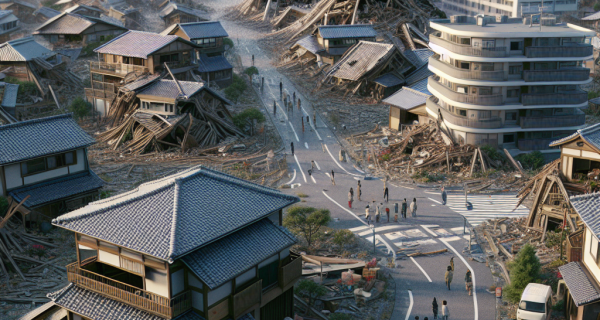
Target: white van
(536, 302)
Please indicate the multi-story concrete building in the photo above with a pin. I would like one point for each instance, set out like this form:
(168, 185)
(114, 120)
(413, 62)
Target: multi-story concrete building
(510, 8)
(508, 84)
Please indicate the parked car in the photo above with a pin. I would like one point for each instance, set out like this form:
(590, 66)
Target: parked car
(536, 302)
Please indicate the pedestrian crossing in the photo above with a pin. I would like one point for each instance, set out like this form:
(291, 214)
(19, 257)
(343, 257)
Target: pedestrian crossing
(403, 236)
(485, 207)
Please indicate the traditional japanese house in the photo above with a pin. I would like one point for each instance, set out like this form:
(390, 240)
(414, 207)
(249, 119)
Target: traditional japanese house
(77, 30)
(208, 36)
(9, 23)
(22, 9)
(580, 154)
(407, 105)
(133, 54)
(15, 56)
(43, 162)
(129, 16)
(44, 14)
(174, 13)
(181, 258)
(84, 10)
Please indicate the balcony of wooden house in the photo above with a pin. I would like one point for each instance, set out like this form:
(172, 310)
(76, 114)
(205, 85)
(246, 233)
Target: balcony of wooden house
(574, 246)
(116, 69)
(126, 284)
(101, 90)
(246, 299)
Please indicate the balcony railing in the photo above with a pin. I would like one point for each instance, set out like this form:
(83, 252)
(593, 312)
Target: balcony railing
(533, 99)
(574, 51)
(577, 119)
(290, 272)
(468, 50)
(245, 299)
(116, 68)
(133, 296)
(534, 144)
(482, 100)
(566, 74)
(491, 123)
(100, 94)
(466, 74)
(574, 246)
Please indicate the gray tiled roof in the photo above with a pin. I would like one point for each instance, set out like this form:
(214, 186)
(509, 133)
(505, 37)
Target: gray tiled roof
(580, 286)
(421, 86)
(82, 7)
(347, 31)
(46, 12)
(10, 95)
(72, 53)
(171, 217)
(588, 208)
(310, 43)
(174, 7)
(389, 80)
(593, 16)
(590, 134)
(211, 64)
(137, 44)
(35, 138)
(97, 307)
(424, 54)
(226, 258)
(406, 98)
(142, 81)
(38, 311)
(71, 23)
(360, 59)
(421, 73)
(205, 29)
(23, 49)
(23, 3)
(168, 88)
(54, 190)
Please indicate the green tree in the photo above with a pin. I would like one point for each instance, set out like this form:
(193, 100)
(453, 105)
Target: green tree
(597, 6)
(532, 160)
(251, 71)
(235, 90)
(247, 117)
(306, 221)
(311, 290)
(525, 269)
(343, 238)
(80, 107)
(26, 88)
(228, 42)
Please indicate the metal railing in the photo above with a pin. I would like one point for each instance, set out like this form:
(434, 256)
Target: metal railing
(129, 294)
(575, 51)
(116, 68)
(567, 74)
(468, 50)
(290, 272)
(556, 121)
(459, 73)
(246, 298)
(482, 100)
(491, 123)
(533, 99)
(534, 144)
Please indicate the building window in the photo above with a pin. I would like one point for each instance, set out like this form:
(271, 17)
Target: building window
(269, 274)
(509, 138)
(208, 42)
(512, 93)
(515, 46)
(48, 163)
(488, 43)
(462, 112)
(515, 69)
(34, 166)
(510, 116)
(465, 41)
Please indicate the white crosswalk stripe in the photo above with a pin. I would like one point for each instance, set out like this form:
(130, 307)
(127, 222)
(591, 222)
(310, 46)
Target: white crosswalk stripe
(485, 207)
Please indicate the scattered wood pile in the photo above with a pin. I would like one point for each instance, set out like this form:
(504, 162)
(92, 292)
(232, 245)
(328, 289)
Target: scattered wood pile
(47, 76)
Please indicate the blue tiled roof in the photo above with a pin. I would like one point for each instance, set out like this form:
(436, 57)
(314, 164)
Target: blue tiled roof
(9, 99)
(97, 307)
(47, 12)
(54, 190)
(588, 208)
(35, 138)
(211, 64)
(206, 29)
(171, 217)
(310, 43)
(23, 49)
(421, 86)
(423, 54)
(347, 31)
(389, 80)
(226, 258)
(580, 286)
(590, 134)
(421, 73)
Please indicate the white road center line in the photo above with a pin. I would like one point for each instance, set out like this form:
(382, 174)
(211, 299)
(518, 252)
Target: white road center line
(293, 178)
(297, 139)
(306, 145)
(350, 212)
(313, 179)
(410, 305)
(434, 200)
(420, 268)
(318, 167)
(338, 164)
(300, 168)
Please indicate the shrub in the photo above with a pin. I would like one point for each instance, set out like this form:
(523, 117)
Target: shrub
(80, 108)
(531, 161)
(493, 153)
(251, 71)
(3, 206)
(343, 238)
(525, 269)
(235, 90)
(247, 117)
(306, 221)
(26, 88)
(340, 316)
(597, 6)
(553, 238)
(311, 290)
(228, 42)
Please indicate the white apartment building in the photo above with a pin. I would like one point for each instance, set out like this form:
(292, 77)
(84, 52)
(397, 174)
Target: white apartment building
(510, 8)
(508, 84)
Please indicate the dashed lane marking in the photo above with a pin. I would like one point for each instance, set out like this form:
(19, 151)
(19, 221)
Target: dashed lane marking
(297, 139)
(300, 168)
(306, 145)
(338, 164)
(434, 200)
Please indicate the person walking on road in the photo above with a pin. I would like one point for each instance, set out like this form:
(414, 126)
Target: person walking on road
(292, 145)
(358, 191)
(448, 276)
(274, 107)
(434, 307)
(386, 195)
(468, 282)
(444, 196)
(280, 90)
(413, 208)
(312, 164)
(368, 214)
(332, 178)
(452, 263)
(445, 310)
(403, 210)
(350, 197)
(377, 213)
(302, 118)
(387, 212)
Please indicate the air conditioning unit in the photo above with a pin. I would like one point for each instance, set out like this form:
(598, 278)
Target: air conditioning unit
(481, 21)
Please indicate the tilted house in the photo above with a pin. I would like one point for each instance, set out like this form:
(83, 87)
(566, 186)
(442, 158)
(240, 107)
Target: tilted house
(408, 105)
(166, 250)
(22, 9)
(133, 54)
(9, 23)
(580, 153)
(46, 160)
(174, 13)
(208, 36)
(17, 54)
(77, 30)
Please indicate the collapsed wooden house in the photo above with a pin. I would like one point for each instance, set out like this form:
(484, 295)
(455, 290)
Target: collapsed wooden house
(156, 114)
(9, 23)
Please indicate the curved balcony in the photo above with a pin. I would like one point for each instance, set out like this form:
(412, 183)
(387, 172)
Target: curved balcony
(497, 52)
(488, 100)
(555, 121)
(491, 123)
(534, 99)
(466, 74)
(567, 74)
(574, 51)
